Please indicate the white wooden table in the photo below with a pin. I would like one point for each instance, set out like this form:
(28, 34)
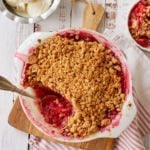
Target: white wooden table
(12, 34)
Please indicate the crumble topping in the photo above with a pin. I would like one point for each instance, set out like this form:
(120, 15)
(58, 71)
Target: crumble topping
(85, 73)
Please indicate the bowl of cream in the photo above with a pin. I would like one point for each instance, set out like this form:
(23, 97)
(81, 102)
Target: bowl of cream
(28, 11)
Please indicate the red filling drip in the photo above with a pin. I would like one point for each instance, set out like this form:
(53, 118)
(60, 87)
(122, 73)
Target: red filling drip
(25, 78)
(77, 36)
(112, 114)
(123, 82)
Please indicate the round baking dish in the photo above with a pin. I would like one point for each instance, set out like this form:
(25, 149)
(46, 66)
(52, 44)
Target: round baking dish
(121, 121)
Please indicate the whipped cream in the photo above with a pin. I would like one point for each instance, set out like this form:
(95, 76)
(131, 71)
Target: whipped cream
(29, 8)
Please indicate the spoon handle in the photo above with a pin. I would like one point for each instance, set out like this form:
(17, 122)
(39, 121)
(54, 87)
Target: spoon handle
(8, 86)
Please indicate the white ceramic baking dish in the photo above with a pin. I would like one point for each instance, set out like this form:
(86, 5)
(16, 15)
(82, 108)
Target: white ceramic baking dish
(119, 124)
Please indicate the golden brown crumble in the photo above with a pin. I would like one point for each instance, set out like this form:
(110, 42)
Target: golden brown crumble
(85, 73)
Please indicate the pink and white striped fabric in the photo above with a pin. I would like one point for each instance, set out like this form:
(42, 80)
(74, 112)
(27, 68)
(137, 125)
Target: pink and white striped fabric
(133, 137)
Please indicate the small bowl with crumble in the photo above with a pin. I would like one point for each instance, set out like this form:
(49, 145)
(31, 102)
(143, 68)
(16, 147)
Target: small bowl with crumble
(85, 82)
(139, 24)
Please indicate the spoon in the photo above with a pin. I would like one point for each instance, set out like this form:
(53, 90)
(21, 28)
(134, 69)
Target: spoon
(8, 86)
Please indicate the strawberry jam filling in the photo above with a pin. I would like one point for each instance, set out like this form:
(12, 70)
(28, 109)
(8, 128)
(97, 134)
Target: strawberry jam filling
(139, 23)
(53, 106)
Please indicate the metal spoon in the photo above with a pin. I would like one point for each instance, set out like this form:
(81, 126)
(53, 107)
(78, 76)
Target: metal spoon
(8, 86)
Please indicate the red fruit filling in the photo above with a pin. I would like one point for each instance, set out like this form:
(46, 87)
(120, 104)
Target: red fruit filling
(139, 23)
(53, 106)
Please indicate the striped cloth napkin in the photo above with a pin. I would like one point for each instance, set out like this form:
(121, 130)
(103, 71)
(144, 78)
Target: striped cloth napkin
(133, 137)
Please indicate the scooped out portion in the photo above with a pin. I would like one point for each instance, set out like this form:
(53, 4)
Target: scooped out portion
(54, 107)
(84, 78)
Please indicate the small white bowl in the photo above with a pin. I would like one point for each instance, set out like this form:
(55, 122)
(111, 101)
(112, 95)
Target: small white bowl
(119, 124)
(28, 20)
(130, 10)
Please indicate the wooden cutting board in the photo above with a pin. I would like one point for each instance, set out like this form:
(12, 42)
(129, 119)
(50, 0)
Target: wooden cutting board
(18, 119)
